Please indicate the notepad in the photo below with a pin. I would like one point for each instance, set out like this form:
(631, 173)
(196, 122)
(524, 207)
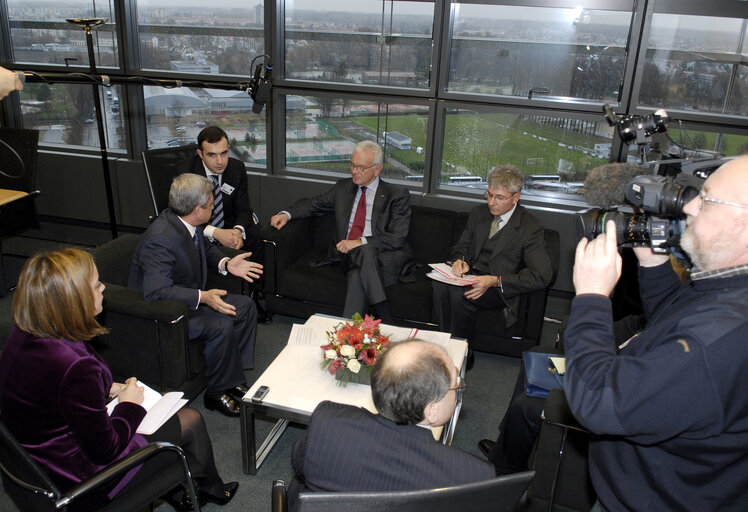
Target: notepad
(160, 408)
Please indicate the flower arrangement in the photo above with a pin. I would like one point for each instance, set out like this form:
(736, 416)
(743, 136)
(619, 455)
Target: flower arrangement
(353, 349)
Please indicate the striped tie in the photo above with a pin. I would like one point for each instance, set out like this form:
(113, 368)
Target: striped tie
(216, 219)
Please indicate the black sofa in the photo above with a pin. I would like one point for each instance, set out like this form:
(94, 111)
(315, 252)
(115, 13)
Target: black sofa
(297, 289)
(148, 340)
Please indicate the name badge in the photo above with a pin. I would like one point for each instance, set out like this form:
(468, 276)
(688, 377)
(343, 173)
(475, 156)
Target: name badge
(227, 189)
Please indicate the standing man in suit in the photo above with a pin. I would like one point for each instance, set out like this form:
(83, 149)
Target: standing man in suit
(232, 223)
(503, 245)
(171, 262)
(370, 233)
(414, 386)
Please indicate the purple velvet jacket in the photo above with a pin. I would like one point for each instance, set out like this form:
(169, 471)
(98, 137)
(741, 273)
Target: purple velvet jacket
(53, 396)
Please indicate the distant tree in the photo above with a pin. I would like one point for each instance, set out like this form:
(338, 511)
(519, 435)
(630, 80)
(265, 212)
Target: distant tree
(44, 93)
(699, 140)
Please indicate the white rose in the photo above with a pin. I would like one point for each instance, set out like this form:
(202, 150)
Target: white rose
(353, 365)
(331, 354)
(367, 339)
(347, 351)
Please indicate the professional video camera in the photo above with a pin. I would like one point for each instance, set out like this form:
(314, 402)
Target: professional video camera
(658, 200)
(659, 196)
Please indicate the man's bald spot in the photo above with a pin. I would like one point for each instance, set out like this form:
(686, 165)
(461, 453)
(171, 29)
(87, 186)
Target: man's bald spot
(404, 354)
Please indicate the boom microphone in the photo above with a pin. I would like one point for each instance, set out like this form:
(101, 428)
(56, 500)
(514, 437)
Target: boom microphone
(261, 87)
(605, 185)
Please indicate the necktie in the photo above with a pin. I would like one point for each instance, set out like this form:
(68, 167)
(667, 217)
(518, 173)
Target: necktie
(216, 218)
(495, 226)
(360, 218)
(196, 242)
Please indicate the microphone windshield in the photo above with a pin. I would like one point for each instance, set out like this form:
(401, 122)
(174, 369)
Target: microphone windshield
(605, 185)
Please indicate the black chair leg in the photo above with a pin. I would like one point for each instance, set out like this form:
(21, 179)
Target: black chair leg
(263, 316)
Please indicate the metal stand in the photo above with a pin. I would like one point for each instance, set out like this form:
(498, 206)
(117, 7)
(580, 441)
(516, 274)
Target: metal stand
(88, 24)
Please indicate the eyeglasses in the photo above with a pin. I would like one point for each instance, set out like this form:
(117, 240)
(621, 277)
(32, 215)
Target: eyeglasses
(360, 168)
(704, 199)
(491, 197)
(461, 384)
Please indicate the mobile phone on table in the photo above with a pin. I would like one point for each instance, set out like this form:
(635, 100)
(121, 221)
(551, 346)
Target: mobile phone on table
(260, 393)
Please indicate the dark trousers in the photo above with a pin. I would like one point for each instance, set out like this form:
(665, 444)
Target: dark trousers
(365, 280)
(229, 342)
(456, 314)
(518, 430)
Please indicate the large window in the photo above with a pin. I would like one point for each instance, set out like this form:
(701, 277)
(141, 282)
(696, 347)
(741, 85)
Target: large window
(64, 114)
(696, 63)
(40, 33)
(449, 88)
(554, 153)
(524, 51)
(174, 117)
(322, 131)
(360, 41)
(194, 36)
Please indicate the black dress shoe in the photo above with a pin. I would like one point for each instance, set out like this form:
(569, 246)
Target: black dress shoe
(486, 445)
(237, 393)
(229, 491)
(224, 404)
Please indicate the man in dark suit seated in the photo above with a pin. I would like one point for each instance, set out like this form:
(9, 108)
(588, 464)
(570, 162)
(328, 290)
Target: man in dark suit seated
(414, 386)
(370, 233)
(503, 246)
(171, 262)
(232, 223)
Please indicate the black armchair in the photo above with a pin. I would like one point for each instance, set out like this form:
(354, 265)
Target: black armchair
(32, 490)
(495, 495)
(562, 481)
(148, 340)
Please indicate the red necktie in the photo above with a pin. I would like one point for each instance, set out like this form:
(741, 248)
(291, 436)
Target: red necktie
(360, 218)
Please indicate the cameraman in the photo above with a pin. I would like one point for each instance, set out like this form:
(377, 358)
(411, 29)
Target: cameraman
(669, 414)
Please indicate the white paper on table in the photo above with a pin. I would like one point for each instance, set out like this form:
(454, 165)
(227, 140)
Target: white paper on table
(160, 408)
(306, 335)
(443, 273)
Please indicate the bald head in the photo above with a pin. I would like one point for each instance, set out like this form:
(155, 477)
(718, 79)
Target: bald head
(407, 377)
(716, 236)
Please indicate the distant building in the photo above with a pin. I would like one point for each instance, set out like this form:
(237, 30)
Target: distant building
(397, 140)
(295, 103)
(194, 63)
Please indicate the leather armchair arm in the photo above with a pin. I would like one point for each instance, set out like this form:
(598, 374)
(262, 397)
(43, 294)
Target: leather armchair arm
(126, 301)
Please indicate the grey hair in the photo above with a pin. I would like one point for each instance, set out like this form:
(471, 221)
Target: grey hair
(372, 147)
(508, 176)
(187, 191)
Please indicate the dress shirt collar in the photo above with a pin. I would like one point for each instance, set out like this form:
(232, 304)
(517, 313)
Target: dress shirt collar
(189, 226)
(505, 217)
(210, 173)
(737, 270)
(372, 186)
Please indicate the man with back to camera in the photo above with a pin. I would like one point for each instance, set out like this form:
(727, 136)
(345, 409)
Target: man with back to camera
(232, 222)
(414, 385)
(370, 236)
(171, 262)
(669, 414)
(504, 245)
